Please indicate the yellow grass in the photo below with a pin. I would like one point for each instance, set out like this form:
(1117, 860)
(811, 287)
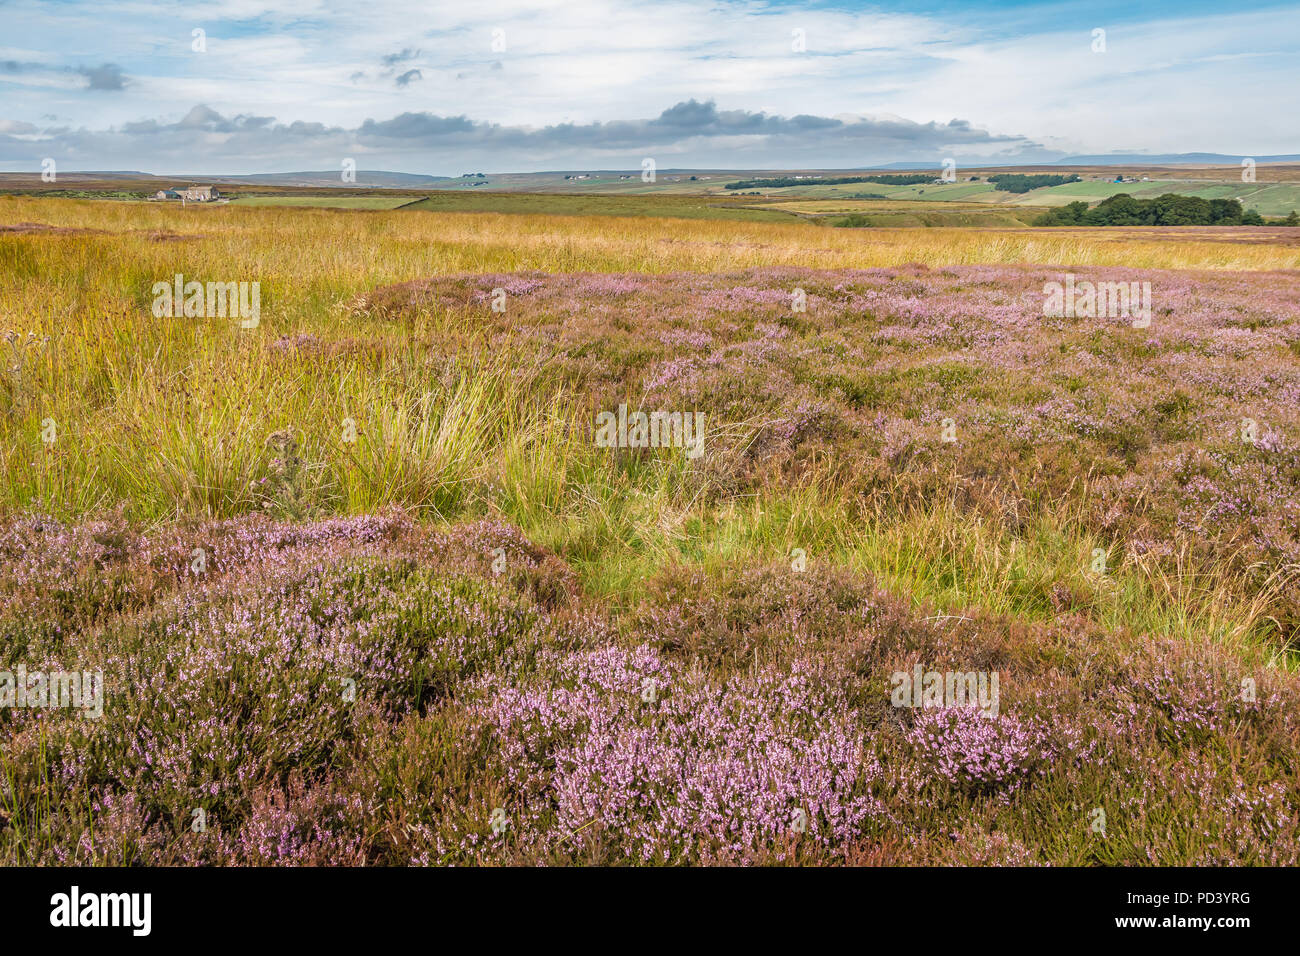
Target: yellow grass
(396, 246)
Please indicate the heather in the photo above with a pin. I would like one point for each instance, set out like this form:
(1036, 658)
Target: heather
(372, 690)
(1172, 448)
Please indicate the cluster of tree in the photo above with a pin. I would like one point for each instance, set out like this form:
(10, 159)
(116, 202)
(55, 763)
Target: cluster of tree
(1166, 210)
(1017, 183)
(838, 181)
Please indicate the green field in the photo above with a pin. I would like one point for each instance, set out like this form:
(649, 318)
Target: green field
(1269, 199)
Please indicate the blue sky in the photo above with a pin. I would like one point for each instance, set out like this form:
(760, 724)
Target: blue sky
(509, 85)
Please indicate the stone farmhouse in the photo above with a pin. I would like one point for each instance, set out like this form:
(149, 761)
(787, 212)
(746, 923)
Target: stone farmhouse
(190, 194)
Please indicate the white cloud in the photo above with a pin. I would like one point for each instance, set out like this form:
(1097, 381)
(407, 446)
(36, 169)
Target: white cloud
(1197, 83)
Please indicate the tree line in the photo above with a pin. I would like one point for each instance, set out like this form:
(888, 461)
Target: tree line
(1167, 210)
(1020, 183)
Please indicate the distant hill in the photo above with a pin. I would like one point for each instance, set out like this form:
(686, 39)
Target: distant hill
(365, 178)
(1107, 159)
(99, 174)
(332, 177)
(1169, 159)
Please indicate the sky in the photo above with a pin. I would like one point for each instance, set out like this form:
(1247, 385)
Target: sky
(249, 86)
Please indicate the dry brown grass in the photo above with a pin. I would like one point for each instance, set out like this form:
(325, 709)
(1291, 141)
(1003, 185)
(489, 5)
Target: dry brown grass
(326, 243)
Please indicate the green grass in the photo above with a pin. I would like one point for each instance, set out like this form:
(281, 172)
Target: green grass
(1269, 199)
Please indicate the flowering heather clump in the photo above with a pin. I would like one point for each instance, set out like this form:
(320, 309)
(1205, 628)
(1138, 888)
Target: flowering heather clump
(805, 419)
(266, 663)
(370, 690)
(659, 763)
(967, 748)
(1191, 701)
(296, 828)
(512, 285)
(691, 338)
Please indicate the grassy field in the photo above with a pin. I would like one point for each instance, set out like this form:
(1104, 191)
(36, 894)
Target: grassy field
(902, 214)
(366, 587)
(604, 204)
(1268, 199)
(330, 202)
(677, 194)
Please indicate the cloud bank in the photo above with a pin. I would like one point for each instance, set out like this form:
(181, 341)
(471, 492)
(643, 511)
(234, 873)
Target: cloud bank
(689, 133)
